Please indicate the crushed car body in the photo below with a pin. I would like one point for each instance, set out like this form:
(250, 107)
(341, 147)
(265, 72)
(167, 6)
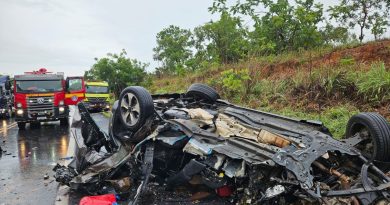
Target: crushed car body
(234, 154)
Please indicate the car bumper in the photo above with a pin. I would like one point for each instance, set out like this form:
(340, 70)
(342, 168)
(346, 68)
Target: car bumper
(56, 115)
(97, 106)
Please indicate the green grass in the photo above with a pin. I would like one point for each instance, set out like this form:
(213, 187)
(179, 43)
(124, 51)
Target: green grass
(374, 85)
(330, 93)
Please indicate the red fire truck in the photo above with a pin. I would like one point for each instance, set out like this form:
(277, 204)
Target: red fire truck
(42, 96)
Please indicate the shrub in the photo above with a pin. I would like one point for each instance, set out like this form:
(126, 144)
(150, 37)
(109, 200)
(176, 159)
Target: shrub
(233, 82)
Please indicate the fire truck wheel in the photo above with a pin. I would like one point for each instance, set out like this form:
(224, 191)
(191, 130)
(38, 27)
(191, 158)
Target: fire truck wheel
(64, 121)
(22, 125)
(135, 107)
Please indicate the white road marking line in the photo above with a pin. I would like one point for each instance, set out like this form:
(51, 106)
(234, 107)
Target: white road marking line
(10, 126)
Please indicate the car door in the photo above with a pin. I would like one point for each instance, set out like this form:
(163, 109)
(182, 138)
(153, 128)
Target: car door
(75, 90)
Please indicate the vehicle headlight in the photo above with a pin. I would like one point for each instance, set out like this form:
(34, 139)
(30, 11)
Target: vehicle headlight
(61, 102)
(19, 104)
(61, 109)
(19, 112)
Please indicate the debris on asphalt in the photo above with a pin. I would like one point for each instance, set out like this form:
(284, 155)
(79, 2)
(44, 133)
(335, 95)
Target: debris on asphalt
(63, 174)
(46, 176)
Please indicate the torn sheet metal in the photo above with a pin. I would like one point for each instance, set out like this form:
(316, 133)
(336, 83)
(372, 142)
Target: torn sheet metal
(197, 148)
(234, 168)
(171, 140)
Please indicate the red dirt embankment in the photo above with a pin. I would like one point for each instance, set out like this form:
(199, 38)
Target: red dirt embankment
(361, 54)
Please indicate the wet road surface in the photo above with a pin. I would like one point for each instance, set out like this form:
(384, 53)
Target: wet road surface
(30, 154)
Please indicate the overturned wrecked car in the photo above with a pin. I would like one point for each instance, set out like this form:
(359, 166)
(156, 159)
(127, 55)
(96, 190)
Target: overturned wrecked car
(177, 148)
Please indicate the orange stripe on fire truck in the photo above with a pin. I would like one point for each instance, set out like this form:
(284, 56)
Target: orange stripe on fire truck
(79, 95)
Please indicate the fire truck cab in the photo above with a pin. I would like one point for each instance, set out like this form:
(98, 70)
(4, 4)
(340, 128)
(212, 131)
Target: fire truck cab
(42, 96)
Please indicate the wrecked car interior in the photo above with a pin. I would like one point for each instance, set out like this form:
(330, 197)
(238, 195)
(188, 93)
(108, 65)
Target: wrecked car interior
(194, 146)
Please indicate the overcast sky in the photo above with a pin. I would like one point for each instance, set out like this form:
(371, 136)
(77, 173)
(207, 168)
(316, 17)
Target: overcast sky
(66, 35)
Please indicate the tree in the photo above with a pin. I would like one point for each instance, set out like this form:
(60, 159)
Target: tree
(307, 16)
(379, 25)
(118, 70)
(173, 49)
(224, 40)
(333, 35)
(366, 14)
(279, 25)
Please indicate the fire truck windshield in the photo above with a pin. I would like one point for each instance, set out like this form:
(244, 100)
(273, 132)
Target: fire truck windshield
(97, 89)
(38, 86)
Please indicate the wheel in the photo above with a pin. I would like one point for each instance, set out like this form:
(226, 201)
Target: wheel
(376, 133)
(135, 107)
(202, 91)
(22, 125)
(64, 121)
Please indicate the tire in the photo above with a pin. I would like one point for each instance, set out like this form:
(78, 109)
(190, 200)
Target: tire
(64, 121)
(135, 107)
(203, 92)
(21, 125)
(377, 145)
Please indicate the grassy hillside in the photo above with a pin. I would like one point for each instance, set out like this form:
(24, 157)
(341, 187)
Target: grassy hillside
(328, 84)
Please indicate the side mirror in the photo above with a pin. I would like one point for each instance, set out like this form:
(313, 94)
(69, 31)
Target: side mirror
(7, 85)
(67, 85)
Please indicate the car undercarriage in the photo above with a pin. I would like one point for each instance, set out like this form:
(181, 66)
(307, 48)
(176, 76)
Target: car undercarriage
(198, 147)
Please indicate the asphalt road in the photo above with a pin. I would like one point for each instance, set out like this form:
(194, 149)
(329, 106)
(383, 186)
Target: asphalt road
(30, 155)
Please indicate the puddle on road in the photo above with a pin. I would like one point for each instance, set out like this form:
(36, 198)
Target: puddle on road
(30, 154)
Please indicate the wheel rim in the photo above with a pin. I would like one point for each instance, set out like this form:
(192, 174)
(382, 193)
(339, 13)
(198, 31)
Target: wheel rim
(130, 109)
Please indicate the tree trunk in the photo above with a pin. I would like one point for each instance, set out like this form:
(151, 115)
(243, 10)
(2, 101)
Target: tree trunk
(361, 34)
(365, 12)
